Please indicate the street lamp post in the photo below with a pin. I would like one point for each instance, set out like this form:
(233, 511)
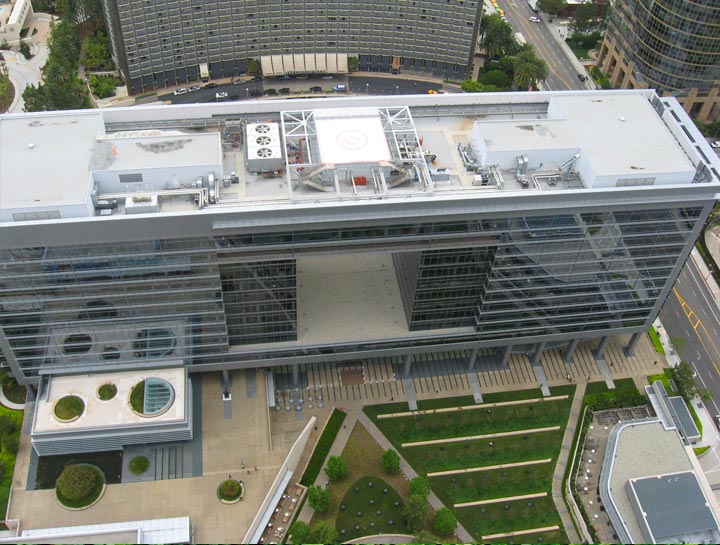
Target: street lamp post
(247, 91)
(367, 88)
(397, 89)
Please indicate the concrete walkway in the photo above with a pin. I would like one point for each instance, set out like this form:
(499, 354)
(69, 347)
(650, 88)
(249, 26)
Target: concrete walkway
(563, 457)
(472, 407)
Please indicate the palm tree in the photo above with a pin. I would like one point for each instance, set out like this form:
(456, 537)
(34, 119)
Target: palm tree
(529, 69)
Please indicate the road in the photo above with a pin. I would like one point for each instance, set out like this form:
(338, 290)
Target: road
(562, 73)
(691, 314)
(355, 84)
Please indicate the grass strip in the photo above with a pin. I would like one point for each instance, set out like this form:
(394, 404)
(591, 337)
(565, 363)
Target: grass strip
(655, 338)
(327, 438)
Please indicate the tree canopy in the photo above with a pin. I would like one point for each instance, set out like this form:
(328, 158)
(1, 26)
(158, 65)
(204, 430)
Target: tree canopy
(319, 499)
(529, 69)
(552, 7)
(496, 36)
(415, 512)
(336, 468)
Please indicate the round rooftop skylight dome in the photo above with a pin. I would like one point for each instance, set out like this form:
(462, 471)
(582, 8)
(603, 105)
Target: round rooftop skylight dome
(151, 397)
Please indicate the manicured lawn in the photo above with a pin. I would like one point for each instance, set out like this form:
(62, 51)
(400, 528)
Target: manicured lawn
(69, 407)
(491, 519)
(431, 458)
(558, 536)
(485, 485)
(665, 378)
(474, 422)
(7, 459)
(358, 500)
(323, 447)
(475, 486)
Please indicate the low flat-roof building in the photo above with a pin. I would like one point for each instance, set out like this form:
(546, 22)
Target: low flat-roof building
(653, 488)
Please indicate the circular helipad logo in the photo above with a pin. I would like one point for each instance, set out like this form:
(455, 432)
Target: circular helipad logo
(351, 139)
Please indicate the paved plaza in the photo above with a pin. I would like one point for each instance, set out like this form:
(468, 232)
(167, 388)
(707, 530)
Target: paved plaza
(238, 437)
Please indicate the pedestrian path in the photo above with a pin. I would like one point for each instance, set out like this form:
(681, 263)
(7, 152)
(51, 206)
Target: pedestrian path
(542, 379)
(475, 387)
(563, 457)
(410, 393)
(477, 437)
(607, 375)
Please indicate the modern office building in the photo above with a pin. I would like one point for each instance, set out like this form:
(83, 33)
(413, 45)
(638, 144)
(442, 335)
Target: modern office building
(289, 233)
(669, 45)
(158, 43)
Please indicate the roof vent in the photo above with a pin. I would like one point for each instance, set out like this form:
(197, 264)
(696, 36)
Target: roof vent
(31, 145)
(622, 118)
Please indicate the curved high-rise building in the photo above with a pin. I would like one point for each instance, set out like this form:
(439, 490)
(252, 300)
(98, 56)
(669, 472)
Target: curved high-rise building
(669, 45)
(159, 43)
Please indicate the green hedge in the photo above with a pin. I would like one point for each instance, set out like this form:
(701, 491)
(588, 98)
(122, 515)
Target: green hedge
(655, 338)
(322, 448)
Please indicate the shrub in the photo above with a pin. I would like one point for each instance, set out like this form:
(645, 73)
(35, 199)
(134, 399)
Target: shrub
(420, 486)
(322, 532)
(103, 86)
(107, 391)
(319, 499)
(69, 407)
(336, 468)
(445, 521)
(7, 425)
(415, 512)
(230, 490)
(424, 536)
(10, 443)
(391, 461)
(76, 482)
(299, 532)
(139, 465)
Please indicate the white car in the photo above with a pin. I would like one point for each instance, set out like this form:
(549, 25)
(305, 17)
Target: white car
(221, 94)
(715, 144)
(534, 19)
(193, 88)
(180, 91)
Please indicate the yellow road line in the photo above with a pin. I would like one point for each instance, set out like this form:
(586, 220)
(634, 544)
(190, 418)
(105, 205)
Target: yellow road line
(690, 314)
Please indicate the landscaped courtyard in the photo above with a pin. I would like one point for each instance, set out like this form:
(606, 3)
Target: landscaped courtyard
(493, 463)
(363, 459)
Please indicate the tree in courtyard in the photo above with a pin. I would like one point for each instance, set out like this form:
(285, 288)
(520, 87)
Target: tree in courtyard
(496, 78)
(587, 17)
(391, 461)
(319, 499)
(552, 7)
(299, 532)
(415, 512)
(420, 486)
(336, 468)
(96, 52)
(322, 532)
(445, 521)
(425, 537)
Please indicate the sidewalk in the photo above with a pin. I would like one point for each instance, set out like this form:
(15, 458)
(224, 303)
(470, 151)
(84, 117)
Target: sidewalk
(562, 462)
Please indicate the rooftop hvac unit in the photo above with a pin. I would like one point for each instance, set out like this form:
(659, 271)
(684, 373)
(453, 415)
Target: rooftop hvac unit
(262, 129)
(263, 147)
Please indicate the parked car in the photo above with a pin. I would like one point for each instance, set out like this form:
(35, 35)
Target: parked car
(715, 144)
(316, 89)
(210, 86)
(180, 91)
(257, 78)
(270, 92)
(582, 77)
(220, 95)
(339, 87)
(193, 88)
(327, 76)
(234, 97)
(534, 19)
(432, 92)
(283, 77)
(302, 76)
(284, 91)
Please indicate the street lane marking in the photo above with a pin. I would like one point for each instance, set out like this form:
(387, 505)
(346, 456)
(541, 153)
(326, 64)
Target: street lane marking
(690, 314)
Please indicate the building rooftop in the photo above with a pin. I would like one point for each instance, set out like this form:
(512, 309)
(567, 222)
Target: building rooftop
(672, 506)
(44, 159)
(351, 149)
(114, 412)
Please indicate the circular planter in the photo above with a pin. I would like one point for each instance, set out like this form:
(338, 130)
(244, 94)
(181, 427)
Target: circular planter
(163, 396)
(91, 499)
(106, 391)
(68, 408)
(77, 344)
(230, 491)
(139, 465)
